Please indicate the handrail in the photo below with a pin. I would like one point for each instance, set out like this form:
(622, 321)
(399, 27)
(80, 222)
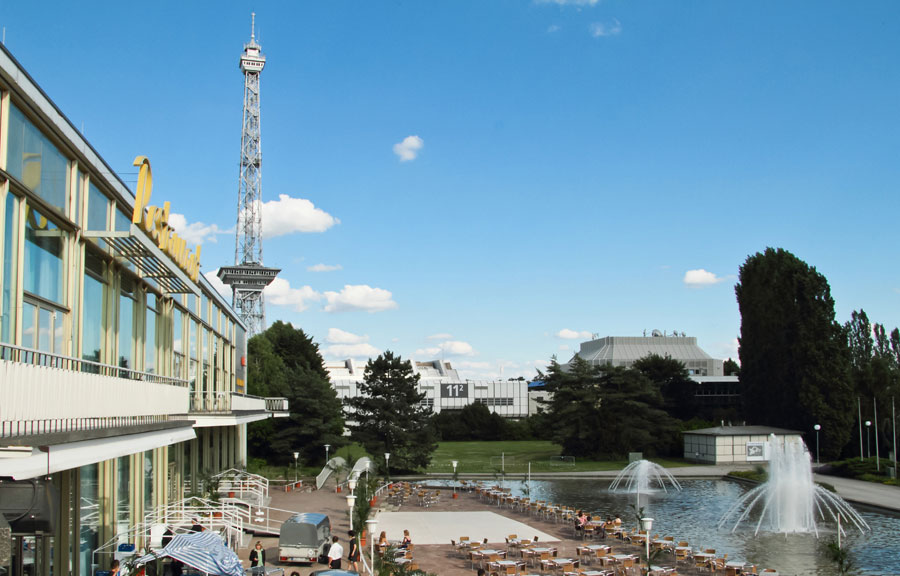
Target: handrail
(34, 357)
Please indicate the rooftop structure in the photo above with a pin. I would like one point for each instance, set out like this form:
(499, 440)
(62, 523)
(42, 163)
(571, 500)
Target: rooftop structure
(625, 350)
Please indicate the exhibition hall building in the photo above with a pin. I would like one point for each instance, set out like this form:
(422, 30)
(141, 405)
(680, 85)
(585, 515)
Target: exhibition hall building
(122, 371)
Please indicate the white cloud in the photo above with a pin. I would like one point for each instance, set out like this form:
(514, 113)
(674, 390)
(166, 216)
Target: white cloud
(570, 2)
(448, 348)
(338, 336)
(572, 334)
(280, 293)
(601, 29)
(324, 268)
(564, 347)
(359, 297)
(441, 336)
(701, 277)
(220, 286)
(195, 232)
(358, 350)
(429, 352)
(553, 28)
(289, 215)
(409, 148)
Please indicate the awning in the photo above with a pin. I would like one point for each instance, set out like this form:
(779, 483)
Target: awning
(71, 455)
(203, 551)
(138, 249)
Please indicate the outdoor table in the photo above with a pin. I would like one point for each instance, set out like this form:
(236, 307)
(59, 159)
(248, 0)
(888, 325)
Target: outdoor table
(504, 563)
(660, 570)
(502, 553)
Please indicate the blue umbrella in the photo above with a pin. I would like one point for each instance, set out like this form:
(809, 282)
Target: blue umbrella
(203, 551)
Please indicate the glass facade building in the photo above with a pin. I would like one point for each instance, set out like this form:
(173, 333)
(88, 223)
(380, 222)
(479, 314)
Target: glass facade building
(121, 373)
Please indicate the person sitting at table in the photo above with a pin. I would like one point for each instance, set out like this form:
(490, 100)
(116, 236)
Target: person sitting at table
(579, 522)
(406, 540)
(382, 542)
(617, 521)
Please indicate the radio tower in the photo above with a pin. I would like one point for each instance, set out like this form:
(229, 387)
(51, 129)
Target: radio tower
(248, 277)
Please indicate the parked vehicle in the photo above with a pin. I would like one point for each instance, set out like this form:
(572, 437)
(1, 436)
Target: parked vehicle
(304, 537)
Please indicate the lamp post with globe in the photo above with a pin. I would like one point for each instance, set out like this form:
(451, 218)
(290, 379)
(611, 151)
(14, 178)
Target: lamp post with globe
(646, 526)
(817, 428)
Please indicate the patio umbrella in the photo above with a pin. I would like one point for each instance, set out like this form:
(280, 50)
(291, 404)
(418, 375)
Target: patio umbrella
(204, 551)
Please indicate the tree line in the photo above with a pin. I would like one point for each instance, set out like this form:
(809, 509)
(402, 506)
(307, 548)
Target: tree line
(798, 367)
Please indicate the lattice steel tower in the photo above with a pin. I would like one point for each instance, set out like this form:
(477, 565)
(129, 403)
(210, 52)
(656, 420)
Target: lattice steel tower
(248, 277)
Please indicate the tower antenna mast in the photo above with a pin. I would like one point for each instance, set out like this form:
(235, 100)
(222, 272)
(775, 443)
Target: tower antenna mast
(248, 277)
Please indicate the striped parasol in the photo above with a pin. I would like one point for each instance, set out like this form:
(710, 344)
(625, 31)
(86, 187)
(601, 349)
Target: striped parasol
(203, 551)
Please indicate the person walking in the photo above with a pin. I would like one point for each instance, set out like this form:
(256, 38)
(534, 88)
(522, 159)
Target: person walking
(258, 559)
(335, 553)
(353, 553)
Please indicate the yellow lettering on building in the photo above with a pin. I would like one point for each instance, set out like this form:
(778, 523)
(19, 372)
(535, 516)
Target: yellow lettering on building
(156, 223)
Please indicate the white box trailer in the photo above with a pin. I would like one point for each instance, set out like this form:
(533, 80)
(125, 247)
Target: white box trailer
(304, 537)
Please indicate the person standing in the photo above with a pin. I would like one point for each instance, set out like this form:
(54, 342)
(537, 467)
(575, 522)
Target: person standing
(353, 553)
(335, 553)
(258, 559)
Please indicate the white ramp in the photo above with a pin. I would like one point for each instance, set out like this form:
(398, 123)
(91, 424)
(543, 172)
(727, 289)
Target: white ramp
(441, 527)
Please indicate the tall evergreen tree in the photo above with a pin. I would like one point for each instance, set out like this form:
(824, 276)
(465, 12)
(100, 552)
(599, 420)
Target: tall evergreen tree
(388, 414)
(284, 361)
(574, 406)
(794, 359)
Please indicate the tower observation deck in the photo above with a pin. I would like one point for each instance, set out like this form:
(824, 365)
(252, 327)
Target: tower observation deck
(248, 277)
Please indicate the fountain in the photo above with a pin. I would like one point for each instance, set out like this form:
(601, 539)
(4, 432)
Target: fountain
(643, 476)
(789, 501)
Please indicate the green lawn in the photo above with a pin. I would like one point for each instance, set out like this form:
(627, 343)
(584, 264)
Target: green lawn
(485, 457)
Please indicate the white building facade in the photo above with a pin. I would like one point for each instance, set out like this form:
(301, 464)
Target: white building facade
(443, 388)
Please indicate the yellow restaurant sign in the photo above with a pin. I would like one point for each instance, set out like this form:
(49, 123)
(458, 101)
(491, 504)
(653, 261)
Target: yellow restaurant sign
(156, 223)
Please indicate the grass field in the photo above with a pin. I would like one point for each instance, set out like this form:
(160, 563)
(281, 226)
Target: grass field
(481, 458)
(488, 457)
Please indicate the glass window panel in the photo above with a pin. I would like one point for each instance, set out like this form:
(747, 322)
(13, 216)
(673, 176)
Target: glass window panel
(126, 330)
(36, 162)
(123, 495)
(92, 330)
(29, 325)
(98, 209)
(178, 330)
(123, 222)
(44, 250)
(79, 196)
(150, 341)
(148, 482)
(89, 512)
(8, 271)
(193, 338)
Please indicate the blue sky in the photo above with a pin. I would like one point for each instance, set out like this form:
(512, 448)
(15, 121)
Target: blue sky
(493, 180)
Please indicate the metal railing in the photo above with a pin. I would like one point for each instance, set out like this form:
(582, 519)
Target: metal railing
(52, 426)
(38, 358)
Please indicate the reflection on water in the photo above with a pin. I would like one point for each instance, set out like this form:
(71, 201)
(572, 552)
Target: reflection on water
(693, 515)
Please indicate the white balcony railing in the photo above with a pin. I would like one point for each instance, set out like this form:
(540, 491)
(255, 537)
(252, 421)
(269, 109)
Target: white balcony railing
(45, 393)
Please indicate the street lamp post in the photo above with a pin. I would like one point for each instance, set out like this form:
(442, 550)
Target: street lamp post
(371, 523)
(296, 455)
(387, 465)
(351, 500)
(454, 462)
(868, 439)
(817, 428)
(646, 526)
(327, 446)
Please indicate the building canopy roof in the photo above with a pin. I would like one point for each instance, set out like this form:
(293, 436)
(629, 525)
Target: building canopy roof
(742, 431)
